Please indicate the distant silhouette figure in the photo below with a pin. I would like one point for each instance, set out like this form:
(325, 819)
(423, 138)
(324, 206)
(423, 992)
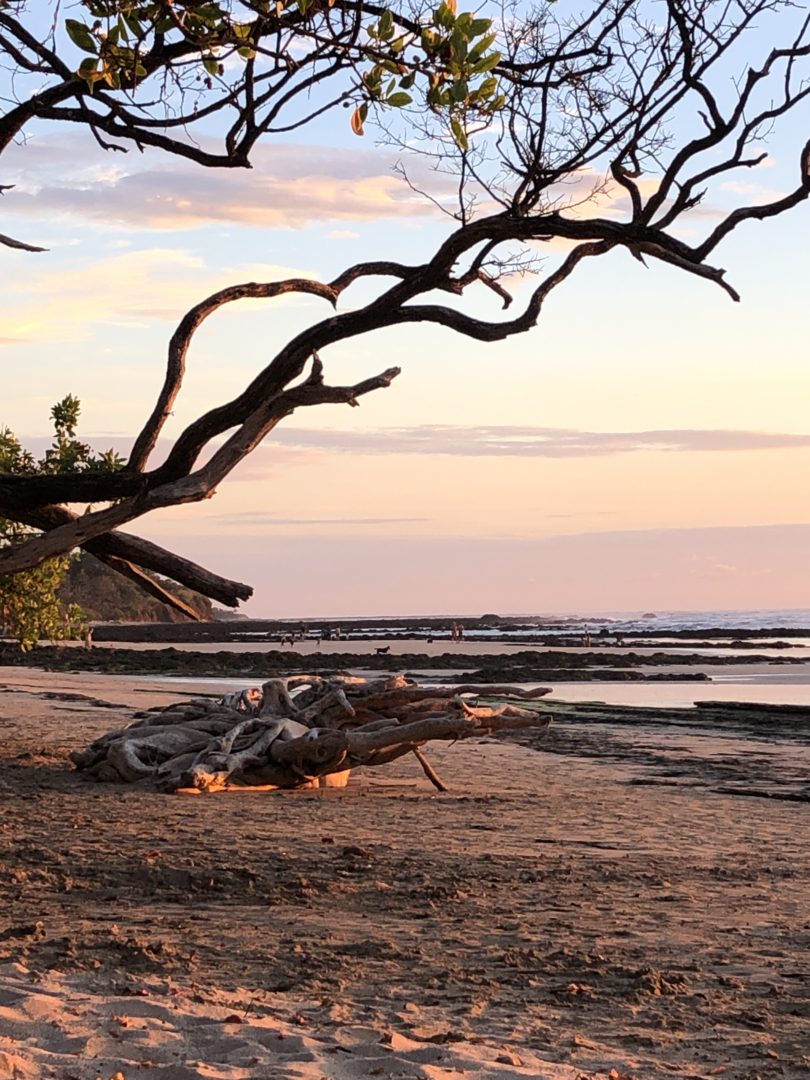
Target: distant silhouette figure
(384, 649)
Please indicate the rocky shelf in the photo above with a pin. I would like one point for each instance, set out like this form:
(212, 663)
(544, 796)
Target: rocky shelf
(522, 666)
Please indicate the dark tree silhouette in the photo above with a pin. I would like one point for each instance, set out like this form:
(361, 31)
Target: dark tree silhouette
(655, 102)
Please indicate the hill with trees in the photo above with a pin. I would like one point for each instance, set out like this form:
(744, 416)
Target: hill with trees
(105, 596)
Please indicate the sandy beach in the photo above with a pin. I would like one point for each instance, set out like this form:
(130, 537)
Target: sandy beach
(556, 914)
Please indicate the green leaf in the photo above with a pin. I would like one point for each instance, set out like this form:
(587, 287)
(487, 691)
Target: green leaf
(386, 25)
(80, 35)
(399, 100)
(487, 64)
(459, 134)
(481, 47)
(480, 26)
(488, 86)
(458, 44)
(443, 16)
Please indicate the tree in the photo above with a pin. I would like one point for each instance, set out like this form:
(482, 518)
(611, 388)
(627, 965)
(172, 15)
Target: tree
(30, 604)
(151, 72)
(656, 102)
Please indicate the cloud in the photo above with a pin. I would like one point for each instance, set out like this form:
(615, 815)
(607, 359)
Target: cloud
(581, 514)
(517, 441)
(712, 571)
(258, 518)
(291, 186)
(754, 193)
(590, 193)
(127, 290)
(291, 447)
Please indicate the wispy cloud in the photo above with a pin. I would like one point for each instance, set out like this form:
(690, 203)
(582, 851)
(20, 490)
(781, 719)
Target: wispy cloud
(258, 518)
(753, 192)
(128, 290)
(581, 514)
(291, 185)
(289, 446)
(517, 441)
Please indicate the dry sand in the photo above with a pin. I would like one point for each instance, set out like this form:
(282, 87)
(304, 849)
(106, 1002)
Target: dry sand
(551, 916)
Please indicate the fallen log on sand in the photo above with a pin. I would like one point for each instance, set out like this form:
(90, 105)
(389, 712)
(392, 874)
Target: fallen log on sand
(301, 731)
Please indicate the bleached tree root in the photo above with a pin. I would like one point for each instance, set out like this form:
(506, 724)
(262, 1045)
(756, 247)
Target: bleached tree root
(302, 731)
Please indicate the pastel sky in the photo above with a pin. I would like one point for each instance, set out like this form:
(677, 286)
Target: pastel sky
(645, 447)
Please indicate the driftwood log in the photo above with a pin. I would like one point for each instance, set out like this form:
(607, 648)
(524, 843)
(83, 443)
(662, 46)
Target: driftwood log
(302, 731)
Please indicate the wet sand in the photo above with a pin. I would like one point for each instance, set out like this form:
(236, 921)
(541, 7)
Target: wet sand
(561, 912)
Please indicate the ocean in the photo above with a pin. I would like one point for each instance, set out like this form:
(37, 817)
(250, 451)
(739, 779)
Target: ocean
(774, 618)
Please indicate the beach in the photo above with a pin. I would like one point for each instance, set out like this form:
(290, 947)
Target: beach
(566, 912)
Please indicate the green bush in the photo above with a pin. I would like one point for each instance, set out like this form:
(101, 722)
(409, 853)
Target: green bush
(30, 606)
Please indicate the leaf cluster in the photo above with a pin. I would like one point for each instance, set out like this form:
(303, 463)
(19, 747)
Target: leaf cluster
(30, 605)
(452, 70)
(456, 62)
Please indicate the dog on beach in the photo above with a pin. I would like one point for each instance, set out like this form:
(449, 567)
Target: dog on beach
(381, 651)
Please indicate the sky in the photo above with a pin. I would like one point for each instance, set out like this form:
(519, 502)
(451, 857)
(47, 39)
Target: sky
(645, 447)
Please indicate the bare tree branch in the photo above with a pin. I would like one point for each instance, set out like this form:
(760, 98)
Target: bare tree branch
(148, 585)
(9, 241)
(144, 554)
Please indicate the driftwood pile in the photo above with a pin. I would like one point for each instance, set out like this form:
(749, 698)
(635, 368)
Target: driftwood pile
(302, 731)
